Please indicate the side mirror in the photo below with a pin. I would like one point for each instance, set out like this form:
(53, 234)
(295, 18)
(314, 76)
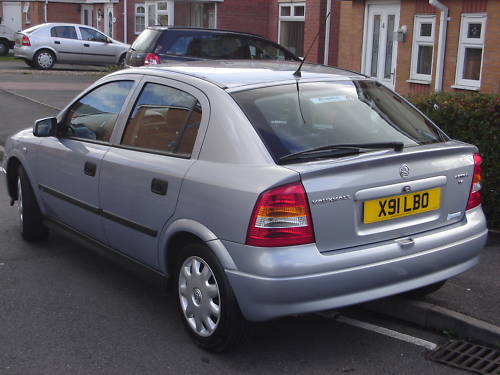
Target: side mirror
(45, 127)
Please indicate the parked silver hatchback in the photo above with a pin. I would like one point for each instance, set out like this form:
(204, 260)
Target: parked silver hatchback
(257, 192)
(44, 45)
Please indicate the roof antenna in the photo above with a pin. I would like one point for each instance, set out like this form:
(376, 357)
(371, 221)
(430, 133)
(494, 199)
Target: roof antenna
(297, 73)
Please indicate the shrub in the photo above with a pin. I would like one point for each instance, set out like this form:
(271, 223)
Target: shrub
(472, 118)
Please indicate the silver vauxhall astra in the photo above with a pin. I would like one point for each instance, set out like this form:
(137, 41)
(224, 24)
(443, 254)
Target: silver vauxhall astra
(258, 193)
(44, 45)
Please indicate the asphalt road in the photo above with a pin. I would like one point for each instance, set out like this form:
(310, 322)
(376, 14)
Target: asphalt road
(66, 310)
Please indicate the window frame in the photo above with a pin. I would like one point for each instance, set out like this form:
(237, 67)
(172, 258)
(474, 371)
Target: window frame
(169, 12)
(137, 14)
(117, 128)
(463, 44)
(422, 41)
(291, 18)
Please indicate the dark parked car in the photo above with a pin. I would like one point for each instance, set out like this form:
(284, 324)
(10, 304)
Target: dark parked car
(157, 45)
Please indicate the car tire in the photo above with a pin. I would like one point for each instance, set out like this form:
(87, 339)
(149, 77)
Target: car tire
(206, 302)
(30, 217)
(121, 61)
(429, 289)
(44, 60)
(28, 62)
(4, 48)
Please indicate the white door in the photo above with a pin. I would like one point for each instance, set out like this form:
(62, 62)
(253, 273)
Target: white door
(108, 20)
(380, 52)
(87, 11)
(12, 16)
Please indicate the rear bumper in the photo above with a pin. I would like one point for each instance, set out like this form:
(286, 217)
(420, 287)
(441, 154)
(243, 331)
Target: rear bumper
(24, 52)
(300, 279)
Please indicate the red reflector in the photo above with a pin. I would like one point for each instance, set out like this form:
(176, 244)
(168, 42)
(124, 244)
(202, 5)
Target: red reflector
(281, 217)
(151, 59)
(477, 183)
(25, 41)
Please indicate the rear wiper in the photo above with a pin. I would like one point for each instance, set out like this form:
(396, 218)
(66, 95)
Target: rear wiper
(345, 149)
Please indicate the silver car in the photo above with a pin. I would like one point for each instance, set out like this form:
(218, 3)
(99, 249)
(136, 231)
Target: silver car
(44, 45)
(259, 194)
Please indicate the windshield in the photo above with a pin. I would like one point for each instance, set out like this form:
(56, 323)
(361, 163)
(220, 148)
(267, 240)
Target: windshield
(146, 40)
(296, 117)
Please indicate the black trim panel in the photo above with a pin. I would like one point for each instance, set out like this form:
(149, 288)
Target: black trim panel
(69, 199)
(78, 53)
(98, 211)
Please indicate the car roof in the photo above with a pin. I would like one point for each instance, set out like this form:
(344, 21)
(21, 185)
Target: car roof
(202, 29)
(234, 74)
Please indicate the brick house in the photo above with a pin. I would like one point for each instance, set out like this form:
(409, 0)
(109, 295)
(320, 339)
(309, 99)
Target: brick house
(417, 48)
(400, 42)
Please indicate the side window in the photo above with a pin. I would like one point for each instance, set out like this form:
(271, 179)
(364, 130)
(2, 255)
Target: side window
(66, 32)
(94, 115)
(164, 119)
(185, 45)
(262, 50)
(92, 35)
(224, 47)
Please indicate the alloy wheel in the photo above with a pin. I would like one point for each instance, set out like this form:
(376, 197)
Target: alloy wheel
(45, 60)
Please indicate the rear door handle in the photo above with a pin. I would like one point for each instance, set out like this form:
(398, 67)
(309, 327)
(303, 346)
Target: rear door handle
(89, 169)
(86, 45)
(159, 187)
(57, 42)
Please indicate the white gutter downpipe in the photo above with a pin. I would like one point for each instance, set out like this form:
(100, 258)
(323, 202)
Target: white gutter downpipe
(443, 24)
(327, 32)
(125, 21)
(45, 10)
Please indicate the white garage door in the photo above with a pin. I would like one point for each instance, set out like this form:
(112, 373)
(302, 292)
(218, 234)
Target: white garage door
(12, 15)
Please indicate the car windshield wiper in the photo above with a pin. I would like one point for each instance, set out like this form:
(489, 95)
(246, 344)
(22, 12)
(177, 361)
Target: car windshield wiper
(342, 149)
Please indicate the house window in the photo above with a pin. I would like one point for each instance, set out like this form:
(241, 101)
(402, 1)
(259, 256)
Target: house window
(470, 51)
(423, 48)
(159, 13)
(291, 27)
(140, 18)
(27, 15)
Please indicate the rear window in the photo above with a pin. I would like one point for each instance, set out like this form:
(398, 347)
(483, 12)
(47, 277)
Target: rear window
(293, 118)
(31, 29)
(146, 40)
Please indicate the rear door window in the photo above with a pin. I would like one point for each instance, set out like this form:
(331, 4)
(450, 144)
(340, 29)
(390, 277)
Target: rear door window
(208, 46)
(66, 32)
(164, 119)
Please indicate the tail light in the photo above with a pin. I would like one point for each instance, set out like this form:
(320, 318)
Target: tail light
(281, 217)
(151, 59)
(477, 183)
(25, 41)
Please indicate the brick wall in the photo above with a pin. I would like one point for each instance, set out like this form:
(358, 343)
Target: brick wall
(248, 16)
(351, 34)
(63, 12)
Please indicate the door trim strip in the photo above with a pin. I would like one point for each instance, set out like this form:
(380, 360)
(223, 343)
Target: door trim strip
(98, 211)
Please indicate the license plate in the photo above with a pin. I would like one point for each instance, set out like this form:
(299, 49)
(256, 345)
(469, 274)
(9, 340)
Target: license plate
(401, 205)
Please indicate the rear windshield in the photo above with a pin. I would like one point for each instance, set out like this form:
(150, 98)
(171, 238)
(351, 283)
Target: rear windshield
(293, 118)
(146, 40)
(31, 29)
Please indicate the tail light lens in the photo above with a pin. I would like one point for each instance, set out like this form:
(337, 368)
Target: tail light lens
(281, 217)
(477, 183)
(25, 41)
(151, 59)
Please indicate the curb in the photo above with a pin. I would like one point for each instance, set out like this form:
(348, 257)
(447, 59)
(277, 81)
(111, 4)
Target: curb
(428, 315)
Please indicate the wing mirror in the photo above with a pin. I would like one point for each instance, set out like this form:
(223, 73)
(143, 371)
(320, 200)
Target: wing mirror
(45, 127)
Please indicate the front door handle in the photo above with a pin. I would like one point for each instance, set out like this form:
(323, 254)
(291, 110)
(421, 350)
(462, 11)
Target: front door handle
(159, 186)
(57, 42)
(86, 45)
(89, 169)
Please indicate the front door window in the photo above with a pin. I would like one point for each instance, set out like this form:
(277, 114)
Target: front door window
(381, 46)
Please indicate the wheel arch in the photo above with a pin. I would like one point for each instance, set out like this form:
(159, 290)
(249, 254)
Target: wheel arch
(12, 173)
(48, 48)
(184, 231)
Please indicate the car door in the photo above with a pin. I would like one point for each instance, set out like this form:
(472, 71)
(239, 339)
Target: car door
(97, 48)
(64, 40)
(69, 166)
(141, 177)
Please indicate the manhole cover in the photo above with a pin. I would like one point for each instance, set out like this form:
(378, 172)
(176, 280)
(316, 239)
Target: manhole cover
(470, 357)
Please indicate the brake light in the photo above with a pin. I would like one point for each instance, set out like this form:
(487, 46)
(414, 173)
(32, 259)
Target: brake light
(281, 217)
(151, 59)
(25, 41)
(477, 183)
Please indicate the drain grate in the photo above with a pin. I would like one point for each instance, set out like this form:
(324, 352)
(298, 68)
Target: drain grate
(470, 357)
